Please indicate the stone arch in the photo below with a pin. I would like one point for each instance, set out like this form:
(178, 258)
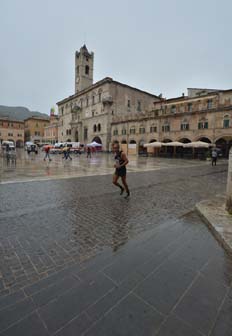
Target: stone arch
(124, 142)
(152, 140)
(184, 140)
(132, 141)
(167, 140)
(204, 139)
(97, 139)
(224, 145)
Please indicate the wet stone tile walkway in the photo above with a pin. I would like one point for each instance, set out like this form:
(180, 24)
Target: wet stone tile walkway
(78, 259)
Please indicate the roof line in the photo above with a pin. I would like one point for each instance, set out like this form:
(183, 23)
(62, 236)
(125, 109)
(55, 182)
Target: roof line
(97, 84)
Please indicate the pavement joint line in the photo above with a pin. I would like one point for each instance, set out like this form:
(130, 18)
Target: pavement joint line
(147, 303)
(219, 310)
(42, 321)
(69, 322)
(17, 321)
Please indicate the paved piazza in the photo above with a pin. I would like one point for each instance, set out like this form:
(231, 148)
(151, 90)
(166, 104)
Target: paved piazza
(76, 258)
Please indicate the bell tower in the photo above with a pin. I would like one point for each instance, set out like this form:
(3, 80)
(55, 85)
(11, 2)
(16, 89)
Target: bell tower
(83, 69)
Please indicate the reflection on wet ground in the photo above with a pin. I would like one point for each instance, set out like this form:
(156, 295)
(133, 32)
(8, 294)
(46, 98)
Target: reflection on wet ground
(76, 258)
(32, 167)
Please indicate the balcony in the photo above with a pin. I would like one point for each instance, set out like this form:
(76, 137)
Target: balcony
(76, 109)
(107, 100)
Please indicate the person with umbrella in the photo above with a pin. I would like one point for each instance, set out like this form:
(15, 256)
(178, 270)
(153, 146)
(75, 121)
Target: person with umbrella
(47, 151)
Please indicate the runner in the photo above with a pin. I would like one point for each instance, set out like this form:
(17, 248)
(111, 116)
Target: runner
(120, 169)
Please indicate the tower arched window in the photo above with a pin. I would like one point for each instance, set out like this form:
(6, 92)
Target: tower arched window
(99, 127)
(87, 70)
(95, 128)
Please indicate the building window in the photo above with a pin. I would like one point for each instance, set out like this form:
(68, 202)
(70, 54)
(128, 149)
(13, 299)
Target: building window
(226, 121)
(184, 126)
(81, 103)
(209, 103)
(95, 128)
(87, 70)
(93, 100)
(142, 130)
(128, 103)
(62, 110)
(173, 109)
(99, 127)
(123, 131)
(166, 128)
(203, 124)
(99, 97)
(190, 107)
(139, 106)
(115, 132)
(153, 129)
(132, 130)
(92, 113)
(87, 101)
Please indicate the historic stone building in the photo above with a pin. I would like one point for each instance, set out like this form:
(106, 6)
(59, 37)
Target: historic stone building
(34, 128)
(87, 115)
(12, 130)
(201, 115)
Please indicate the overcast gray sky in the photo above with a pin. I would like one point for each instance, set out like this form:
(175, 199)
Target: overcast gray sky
(156, 45)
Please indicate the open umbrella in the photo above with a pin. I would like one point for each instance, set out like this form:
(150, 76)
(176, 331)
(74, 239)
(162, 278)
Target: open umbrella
(94, 144)
(173, 144)
(197, 144)
(155, 144)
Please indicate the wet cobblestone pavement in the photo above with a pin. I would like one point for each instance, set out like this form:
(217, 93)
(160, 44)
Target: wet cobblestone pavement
(78, 259)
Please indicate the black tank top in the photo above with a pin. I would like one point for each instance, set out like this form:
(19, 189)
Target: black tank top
(118, 157)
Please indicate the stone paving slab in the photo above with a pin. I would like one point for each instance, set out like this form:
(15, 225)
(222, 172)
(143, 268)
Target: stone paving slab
(218, 220)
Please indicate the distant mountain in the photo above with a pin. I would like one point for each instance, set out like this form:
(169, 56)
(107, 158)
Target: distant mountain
(19, 112)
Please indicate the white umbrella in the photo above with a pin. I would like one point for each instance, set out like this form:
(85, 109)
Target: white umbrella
(156, 144)
(94, 144)
(173, 144)
(197, 144)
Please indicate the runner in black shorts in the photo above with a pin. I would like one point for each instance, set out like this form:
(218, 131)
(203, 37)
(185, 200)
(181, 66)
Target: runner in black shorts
(120, 169)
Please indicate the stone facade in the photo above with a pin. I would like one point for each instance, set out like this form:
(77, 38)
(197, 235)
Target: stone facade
(51, 131)
(87, 115)
(202, 115)
(34, 129)
(12, 130)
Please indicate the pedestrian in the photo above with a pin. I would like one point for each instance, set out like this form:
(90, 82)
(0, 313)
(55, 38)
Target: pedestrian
(88, 152)
(121, 161)
(47, 151)
(67, 156)
(214, 157)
